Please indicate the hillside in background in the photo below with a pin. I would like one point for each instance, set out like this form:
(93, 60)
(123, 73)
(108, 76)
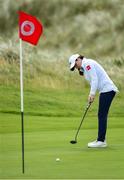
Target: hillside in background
(90, 27)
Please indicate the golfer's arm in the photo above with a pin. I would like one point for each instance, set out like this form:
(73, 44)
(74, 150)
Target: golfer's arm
(94, 81)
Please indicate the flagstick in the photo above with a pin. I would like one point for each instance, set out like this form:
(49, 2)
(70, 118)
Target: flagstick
(22, 105)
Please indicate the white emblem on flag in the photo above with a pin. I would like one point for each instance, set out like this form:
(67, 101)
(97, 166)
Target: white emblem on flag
(27, 28)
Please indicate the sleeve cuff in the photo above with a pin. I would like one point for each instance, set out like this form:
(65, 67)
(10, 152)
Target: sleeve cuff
(92, 93)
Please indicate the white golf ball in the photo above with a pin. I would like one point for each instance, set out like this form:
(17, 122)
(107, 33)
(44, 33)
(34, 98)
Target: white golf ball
(57, 159)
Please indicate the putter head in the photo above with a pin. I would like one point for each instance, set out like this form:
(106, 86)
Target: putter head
(73, 142)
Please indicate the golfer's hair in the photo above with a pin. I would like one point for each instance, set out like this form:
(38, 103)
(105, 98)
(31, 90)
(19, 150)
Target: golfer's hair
(81, 57)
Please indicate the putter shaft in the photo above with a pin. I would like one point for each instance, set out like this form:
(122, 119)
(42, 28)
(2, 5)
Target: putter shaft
(87, 107)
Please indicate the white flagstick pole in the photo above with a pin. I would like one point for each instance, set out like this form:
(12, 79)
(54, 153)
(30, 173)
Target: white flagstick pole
(22, 103)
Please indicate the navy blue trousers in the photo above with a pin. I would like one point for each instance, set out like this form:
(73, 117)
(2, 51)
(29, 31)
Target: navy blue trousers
(105, 100)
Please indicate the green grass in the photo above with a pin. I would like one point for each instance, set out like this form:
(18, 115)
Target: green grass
(47, 138)
(51, 120)
(51, 102)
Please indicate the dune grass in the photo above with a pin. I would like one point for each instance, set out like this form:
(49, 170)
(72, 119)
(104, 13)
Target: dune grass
(65, 33)
(92, 27)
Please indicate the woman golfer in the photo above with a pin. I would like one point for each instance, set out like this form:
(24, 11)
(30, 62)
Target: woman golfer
(99, 80)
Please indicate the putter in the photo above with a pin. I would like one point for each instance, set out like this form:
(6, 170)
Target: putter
(75, 141)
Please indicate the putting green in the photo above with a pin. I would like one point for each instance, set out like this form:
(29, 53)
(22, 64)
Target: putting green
(47, 138)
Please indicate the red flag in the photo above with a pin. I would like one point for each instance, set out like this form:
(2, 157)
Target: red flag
(30, 29)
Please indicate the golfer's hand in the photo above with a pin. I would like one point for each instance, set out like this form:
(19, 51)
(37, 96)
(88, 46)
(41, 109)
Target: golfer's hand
(91, 98)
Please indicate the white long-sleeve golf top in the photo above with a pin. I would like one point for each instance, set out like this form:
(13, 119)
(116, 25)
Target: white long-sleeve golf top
(97, 77)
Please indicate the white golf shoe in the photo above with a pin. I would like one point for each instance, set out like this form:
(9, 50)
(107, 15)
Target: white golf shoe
(97, 144)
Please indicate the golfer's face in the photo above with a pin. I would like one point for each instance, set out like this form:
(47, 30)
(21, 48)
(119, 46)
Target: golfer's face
(78, 63)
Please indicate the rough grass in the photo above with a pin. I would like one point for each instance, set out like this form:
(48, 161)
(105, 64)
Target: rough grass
(40, 70)
(53, 102)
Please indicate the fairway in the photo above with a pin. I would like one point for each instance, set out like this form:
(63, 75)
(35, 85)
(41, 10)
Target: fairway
(47, 138)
